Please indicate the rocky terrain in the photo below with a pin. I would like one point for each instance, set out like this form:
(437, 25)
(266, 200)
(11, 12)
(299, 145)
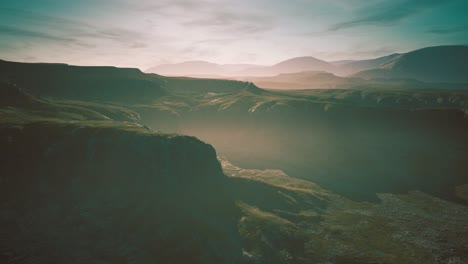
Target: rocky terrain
(363, 175)
(323, 227)
(89, 189)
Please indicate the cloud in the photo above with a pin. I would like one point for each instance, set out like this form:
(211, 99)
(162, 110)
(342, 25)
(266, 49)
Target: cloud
(62, 30)
(13, 31)
(197, 52)
(216, 41)
(215, 15)
(125, 36)
(174, 8)
(38, 19)
(182, 4)
(233, 22)
(446, 31)
(141, 32)
(387, 14)
(138, 45)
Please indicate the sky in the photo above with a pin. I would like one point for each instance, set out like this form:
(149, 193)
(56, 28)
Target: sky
(145, 33)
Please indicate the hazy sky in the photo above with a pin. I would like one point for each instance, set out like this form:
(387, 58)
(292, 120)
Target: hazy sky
(146, 33)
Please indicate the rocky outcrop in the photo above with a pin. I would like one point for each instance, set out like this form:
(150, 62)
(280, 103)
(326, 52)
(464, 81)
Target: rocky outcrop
(78, 193)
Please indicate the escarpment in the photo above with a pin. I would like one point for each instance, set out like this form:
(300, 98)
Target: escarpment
(79, 193)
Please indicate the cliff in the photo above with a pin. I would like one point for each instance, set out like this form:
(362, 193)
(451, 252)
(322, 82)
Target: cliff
(76, 192)
(103, 84)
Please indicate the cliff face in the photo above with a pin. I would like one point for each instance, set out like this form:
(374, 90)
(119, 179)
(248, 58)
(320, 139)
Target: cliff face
(83, 194)
(104, 84)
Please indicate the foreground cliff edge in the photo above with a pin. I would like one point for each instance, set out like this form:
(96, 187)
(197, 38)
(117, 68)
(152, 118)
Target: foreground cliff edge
(88, 191)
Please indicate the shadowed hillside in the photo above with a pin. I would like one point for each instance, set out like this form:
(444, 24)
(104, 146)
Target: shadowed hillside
(352, 67)
(82, 83)
(434, 64)
(93, 189)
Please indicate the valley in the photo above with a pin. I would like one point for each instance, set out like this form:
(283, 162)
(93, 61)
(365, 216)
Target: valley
(114, 167)
(234, 132)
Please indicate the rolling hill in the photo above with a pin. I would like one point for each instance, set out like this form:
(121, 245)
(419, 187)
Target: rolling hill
(434, 64)
(440, 64)
(298, 64)
(352, 67)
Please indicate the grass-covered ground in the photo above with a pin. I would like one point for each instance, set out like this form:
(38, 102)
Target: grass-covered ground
(402, 228)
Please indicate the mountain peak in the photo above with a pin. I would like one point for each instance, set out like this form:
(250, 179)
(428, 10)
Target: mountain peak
(305, 60)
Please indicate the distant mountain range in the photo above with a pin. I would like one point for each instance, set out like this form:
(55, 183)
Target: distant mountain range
(199, 69)
(443, 64)
(298, 64)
